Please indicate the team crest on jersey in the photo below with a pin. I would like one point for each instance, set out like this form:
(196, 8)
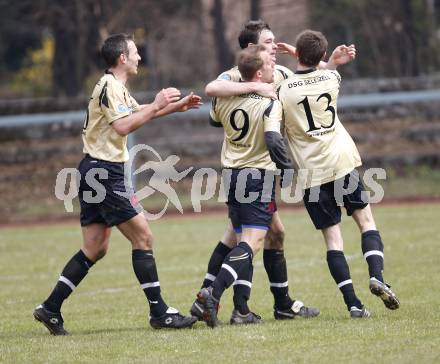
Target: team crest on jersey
(224, 76)
(123, 108)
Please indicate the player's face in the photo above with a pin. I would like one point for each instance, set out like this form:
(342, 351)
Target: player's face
(268, 67)
(133, 58)
(267, 40)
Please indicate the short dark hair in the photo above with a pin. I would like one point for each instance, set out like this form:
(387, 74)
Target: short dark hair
(251, 32)
(114, 46)
(310, 47)
(250, 61)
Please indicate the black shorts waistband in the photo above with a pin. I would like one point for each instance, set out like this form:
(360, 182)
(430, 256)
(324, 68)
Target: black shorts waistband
(88, 156)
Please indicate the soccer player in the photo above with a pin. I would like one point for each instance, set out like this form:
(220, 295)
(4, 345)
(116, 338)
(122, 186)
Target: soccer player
(112, 114)
(321, 146)
(230, 83)
(252, 150)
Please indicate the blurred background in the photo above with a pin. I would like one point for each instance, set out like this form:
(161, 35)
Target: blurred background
(390, 96)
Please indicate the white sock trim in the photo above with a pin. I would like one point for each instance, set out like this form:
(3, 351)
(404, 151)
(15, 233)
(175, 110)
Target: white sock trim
(373, 252)
(210, 277)
(243, 283)
(150, 285)
(279, 285)
(230, 270)
(344, 283)
(66, 281)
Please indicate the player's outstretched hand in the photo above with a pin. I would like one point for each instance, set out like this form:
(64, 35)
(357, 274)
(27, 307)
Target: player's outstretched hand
(166, 96)
(285, 48)
(190, 101)
(343, 54)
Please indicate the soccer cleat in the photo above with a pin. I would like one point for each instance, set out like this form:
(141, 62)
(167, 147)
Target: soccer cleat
(297, 310)
(356, 312)
(52, 320)
(172, 319)
(384, 291)
(238, 319)
(210, 306)
(197, 310)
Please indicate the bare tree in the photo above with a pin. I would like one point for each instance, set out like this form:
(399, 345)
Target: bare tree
(75, 26)
(225, 57)
(255, 9)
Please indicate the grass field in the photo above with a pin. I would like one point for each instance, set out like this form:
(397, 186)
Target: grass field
(107, 314)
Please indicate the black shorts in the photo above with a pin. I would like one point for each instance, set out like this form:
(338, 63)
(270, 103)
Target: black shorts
(100, 202)
(326, 210)
(257, 213)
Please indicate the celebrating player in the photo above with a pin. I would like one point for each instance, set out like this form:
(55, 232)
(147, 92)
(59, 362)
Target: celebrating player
(253, 149)
(230, 83)
(112, 114)
(323, 148)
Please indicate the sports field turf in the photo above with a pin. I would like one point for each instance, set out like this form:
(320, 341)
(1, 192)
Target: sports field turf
(107, 314)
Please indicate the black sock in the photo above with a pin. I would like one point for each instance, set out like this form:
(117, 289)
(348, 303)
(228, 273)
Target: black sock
(144, 267)
(341, 273)
(242, 290)
(372, 248)
(238, 260)
(215, 262)
(72, 274)
(276, 269)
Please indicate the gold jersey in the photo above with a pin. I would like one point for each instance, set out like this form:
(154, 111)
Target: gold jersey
(319, 143)
(110, 101)
(280, 74)
(245, 119)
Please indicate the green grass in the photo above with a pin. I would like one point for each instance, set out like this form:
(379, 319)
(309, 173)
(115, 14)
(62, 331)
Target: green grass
(107, 314)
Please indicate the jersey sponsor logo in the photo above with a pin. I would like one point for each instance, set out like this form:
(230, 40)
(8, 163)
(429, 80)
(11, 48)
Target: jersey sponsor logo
(308, 81)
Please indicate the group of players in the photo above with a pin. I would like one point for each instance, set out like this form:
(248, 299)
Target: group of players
(256, 103)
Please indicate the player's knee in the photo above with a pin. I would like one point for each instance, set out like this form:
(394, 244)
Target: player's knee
(95, 247)
(143, 241)
(100, 253)
(365, 221)
(149, 240)
(275, 240)
(366, 225)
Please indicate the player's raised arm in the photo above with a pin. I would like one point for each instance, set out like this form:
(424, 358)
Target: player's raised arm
(341, 55)
(225, 88)
(286, 48)
(130, 123)
(190, 101)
